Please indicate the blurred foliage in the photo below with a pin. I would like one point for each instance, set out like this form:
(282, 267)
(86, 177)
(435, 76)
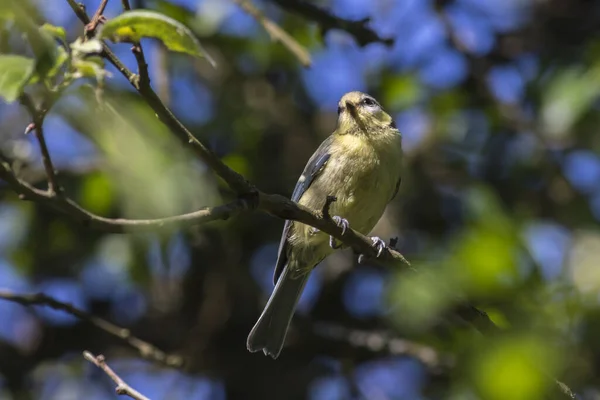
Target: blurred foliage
(499, 207)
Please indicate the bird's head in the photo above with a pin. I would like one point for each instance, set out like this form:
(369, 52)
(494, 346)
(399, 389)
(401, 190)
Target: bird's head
(359, 113)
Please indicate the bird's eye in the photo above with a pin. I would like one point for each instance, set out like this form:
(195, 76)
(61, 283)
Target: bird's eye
(369, 102)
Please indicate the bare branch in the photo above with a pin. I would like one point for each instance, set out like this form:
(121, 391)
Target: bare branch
(145, 349)
(38, 127)
(138, 53)
(282, 207)
(97, 19)
(53, 187)
(120, 225)
(359, 29)
(277, 33)
(384, 342)
(79, 10)
(122, 387)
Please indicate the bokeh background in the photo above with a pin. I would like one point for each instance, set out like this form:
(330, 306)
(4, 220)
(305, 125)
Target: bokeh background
(497, 102)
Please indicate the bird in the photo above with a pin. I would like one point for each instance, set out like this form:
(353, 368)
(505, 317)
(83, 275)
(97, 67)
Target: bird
(360, 166)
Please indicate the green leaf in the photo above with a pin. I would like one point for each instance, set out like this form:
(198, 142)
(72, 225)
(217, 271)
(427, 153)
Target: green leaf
(131, 26)
(60, 60)
(97, 193)
(515, 368)
(56, 31)
(15, 72)
(92, 67)
(43, 46)
(42, 43)
(567, 97)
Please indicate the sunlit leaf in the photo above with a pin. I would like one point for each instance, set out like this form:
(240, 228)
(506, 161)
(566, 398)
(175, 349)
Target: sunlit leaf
(56, 31)
(45, 50)
(42, 43)
(237, 163)
(151, 173)
(131, 26)
(583, 260)
(517, 369)
(60, 60)
(91, 67)
(400, 91)
(15, 71)
(485, 255)
(566, 98)
(485, 259)
(417, 299)
(96, 193)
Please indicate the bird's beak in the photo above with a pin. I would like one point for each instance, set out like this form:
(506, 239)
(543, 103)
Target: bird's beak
(352, 110)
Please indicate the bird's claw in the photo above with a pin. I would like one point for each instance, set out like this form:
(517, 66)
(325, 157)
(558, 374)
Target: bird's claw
(379, 245)
(342, 223)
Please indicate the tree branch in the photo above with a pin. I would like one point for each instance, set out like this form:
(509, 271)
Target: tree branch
(122, 387)
(145, 349)
(276, 32)
(38, 127)
(120, 225)
(138, 53)
(97, 19)
(282, 207)
(383, 342)
(359, 29)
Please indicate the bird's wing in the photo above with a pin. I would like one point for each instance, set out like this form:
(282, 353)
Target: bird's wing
(313, 168)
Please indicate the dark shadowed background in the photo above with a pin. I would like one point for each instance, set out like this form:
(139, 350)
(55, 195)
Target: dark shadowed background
(497, 103)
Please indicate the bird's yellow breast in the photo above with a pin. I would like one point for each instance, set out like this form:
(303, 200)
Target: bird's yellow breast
(362, 174)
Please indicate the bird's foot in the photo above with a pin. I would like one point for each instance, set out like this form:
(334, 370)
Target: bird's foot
(378, 244)
(342, 223)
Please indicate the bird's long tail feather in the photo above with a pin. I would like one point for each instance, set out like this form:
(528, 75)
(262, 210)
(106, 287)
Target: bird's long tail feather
(270, 330)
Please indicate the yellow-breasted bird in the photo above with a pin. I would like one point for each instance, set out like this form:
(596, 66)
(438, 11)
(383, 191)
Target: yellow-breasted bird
(360, 164)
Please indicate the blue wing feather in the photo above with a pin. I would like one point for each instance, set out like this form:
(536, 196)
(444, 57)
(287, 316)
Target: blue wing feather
(313, 168)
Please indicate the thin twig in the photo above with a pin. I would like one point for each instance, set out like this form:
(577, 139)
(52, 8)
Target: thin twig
(97, 19)
(120, 225)
(146, 350)
(276, 32)
(384, 342)
(122, 388)
(359, 29)
(138, 53)
(79, 10)
(53, 187)
(38, 127)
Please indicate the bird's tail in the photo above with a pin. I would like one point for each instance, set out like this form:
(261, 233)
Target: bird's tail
(270, 330)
